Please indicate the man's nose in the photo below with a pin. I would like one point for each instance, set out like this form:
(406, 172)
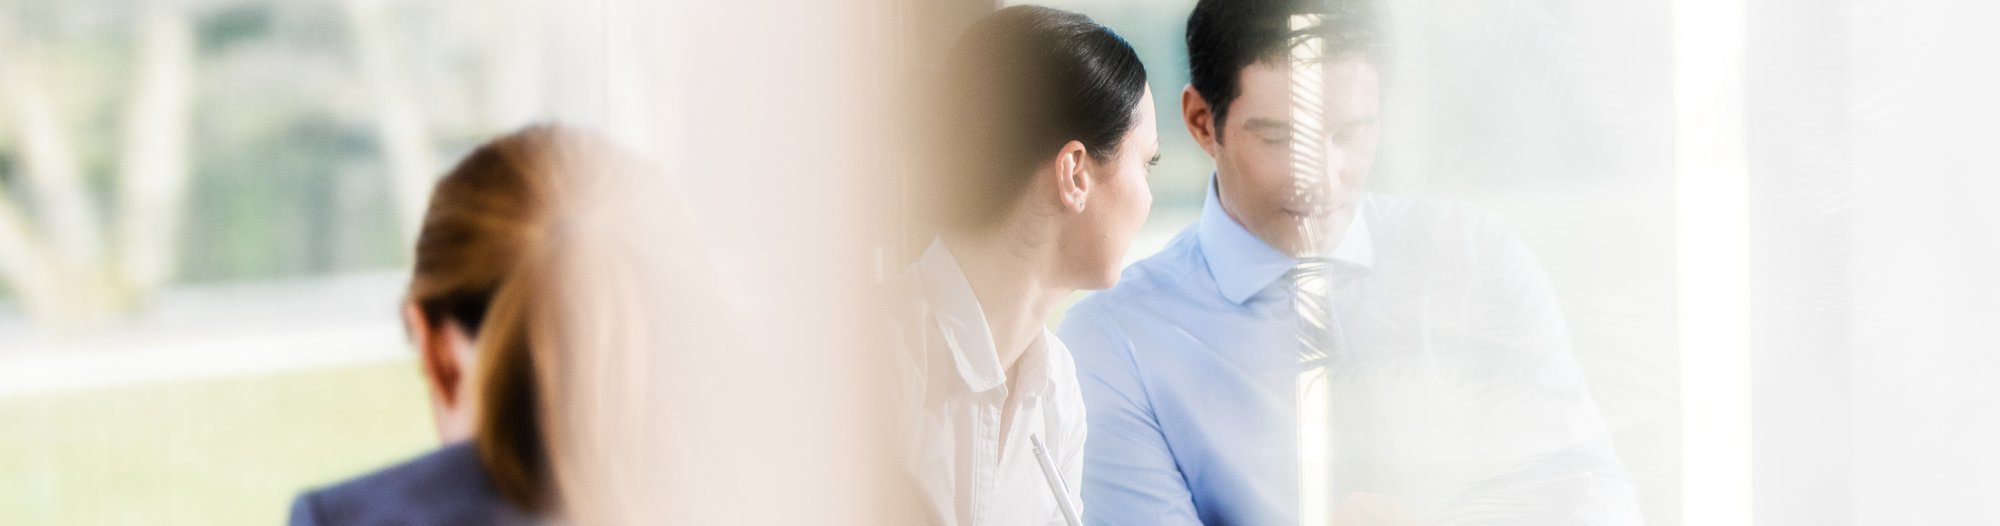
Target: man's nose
(1336, 162)
(1324, 183)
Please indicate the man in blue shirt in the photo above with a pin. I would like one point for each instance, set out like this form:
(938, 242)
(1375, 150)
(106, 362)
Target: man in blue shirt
(1451, 394)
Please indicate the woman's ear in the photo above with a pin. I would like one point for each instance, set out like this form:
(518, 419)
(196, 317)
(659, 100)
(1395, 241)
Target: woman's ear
(1073, 176)
(444, 369)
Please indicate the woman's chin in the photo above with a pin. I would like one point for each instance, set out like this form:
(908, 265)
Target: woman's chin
(1101, 281)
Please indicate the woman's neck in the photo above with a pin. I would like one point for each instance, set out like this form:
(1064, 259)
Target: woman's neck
(1011, 276)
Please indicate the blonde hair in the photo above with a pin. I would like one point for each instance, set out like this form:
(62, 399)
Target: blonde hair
(571, 352)
(483, 262)
(483, 216)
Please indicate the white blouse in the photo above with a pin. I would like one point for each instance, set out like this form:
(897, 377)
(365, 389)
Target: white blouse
(953, 394)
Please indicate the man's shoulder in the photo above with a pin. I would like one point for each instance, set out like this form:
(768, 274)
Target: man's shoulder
(1439, 236)
(1166, 275)
(446, 486)
(1407, 216)
(1150, 290)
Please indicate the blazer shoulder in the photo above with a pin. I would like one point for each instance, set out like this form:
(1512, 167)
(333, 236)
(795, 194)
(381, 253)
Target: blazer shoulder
(305, 510)
(446, 486)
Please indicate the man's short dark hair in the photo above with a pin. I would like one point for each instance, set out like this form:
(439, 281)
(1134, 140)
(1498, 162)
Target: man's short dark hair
(1225, 36)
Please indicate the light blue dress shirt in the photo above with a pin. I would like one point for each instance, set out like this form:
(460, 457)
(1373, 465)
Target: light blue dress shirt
(1455, 394)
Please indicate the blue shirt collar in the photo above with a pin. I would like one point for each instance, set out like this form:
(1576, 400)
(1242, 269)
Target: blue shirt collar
(1243, 264)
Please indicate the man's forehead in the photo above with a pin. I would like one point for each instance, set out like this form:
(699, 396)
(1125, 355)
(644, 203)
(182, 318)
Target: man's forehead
(1350, 85)
(1345, 64)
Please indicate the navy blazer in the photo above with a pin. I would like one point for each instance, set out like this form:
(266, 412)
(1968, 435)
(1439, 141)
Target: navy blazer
(448, 486)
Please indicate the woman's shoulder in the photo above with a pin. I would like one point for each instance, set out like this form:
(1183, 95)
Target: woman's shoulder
(445, 486)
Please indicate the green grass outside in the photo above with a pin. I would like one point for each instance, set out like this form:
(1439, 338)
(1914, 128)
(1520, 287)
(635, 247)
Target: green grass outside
(205, 452)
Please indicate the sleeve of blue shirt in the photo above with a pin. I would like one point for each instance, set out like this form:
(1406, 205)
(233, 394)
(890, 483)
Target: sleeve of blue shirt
(1129, 475)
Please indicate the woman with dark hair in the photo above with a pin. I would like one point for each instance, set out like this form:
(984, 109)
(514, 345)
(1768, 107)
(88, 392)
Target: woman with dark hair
(1044, 134)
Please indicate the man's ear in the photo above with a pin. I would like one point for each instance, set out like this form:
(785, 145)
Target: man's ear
(442, 369)
(1072, 176)
(1199, 118)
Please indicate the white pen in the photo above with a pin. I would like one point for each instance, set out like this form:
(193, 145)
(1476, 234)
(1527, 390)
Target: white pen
(1056, 483)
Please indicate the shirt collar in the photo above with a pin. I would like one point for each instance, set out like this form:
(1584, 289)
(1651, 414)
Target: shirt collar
(962, 323)
(1243, 264)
